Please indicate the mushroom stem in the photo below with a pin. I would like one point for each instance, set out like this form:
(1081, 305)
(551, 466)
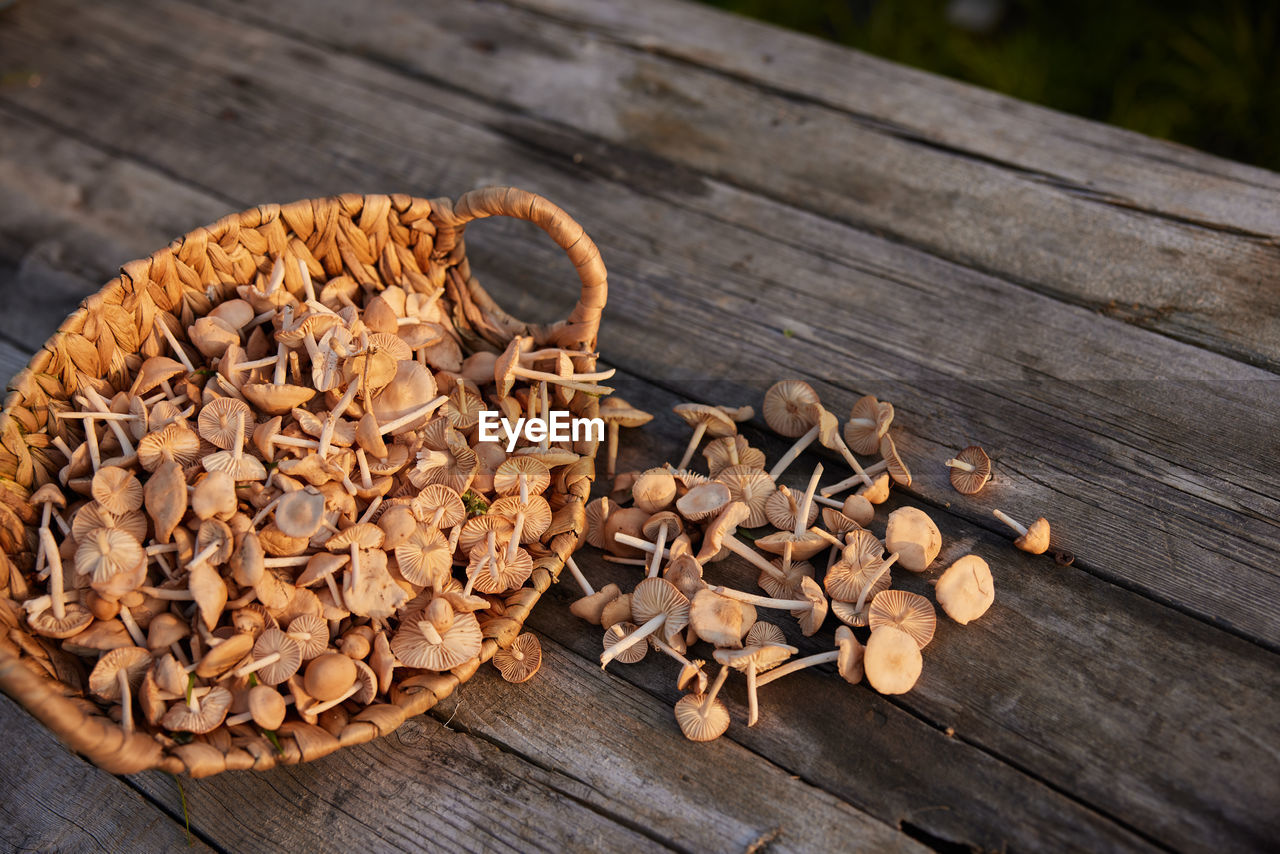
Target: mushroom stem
(371, 509)
(798, 664)
(953, 463)
(742, 550)
(174, 345)
(126, 447)
(278, 376)
(98, 416)
(167, 594)
(131, 626)
(424, 410)
(854, 480)
(654, 623)
(655, 562)
(572, 566)
(296, 560)
(430, 632)
(611, 454)
(826, 535)
(126, 701)
(715, 689)
(853, 462)
(202, 555)
(580, 382)
(253, 666)
(366, 479)
(333, 590)
(493, 557)
(46, 513)
(513, 545)
(763, 601)
(698, 433)
(866, 588)
(1003, 517)
(91, 437)
(785, 461)
(670, 651)
(828, 502)
(329, 704)
(753, 703)
(326, 432)
(55, 572)
(36, 604)
(625, 561)
(802, 518)
(642, 545)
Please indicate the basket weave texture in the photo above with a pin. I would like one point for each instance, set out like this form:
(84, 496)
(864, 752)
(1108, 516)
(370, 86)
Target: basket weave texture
(377, 240)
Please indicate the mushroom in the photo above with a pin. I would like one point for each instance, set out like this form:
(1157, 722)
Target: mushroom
(654, 490)
(732, 451)
(856, 508)
(276, 656)
(117, 675)
(753, 488)
(46, 498)
(617, 413)
(591, 606)
(719, 620)
(751, 660)
(896, 467)
(626, 520)
(521, 661)
(311, 633)
(59, 619)
(116, 490)
(418, 643)
(618, 632)
(165, 497)
(703, 420)
(329, 676)
(507, 368)
(811, 610)
(198, 715)
(424, 558)
(214, 496)
(655, 604)
(658, 526)
(847, 655)
(868, 421)
(966, 590)
(907, 611)
(1034, 540)
(783, 511)
(173, 442)
(787, 408)
(267, 707)
(914, 536)
(892, 660)
(705, 500)
(234, 461)
(702, 717)
(970, 470)
(861, 570)
(720, 534)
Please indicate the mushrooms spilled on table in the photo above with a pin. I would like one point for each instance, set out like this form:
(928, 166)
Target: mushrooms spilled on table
(680, 522)
(267, 521)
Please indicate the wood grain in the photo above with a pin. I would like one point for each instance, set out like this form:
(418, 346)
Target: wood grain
(52, 800)
(893, 320)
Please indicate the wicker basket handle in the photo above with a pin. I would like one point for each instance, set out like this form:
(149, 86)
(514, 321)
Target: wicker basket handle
(583, 323)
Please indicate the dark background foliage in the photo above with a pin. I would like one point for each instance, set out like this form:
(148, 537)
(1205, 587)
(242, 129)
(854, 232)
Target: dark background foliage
(1206, 74)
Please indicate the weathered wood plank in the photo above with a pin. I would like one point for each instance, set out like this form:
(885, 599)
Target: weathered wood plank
(1148, 716)
(629, 759)
(423, 788)
(1179, 240)
(52, 800)
(907, 322)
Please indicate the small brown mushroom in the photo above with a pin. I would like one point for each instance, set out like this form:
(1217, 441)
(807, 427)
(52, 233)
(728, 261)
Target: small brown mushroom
(702, 717)
(892, 660)
(969, 470)
(847, 655)
(752, 660)
(617, 633)
(914, 536)
(907, 611)
(657, 605)
(521, 661)
(117, 675)
(1034, 540)
(966, 590)
(591, 606)
(787, 408)
(617, 413)
(703, 420)
(868, 421)
(811, 610)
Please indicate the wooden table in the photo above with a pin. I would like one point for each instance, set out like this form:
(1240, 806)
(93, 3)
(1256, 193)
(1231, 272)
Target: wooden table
(1101, 311)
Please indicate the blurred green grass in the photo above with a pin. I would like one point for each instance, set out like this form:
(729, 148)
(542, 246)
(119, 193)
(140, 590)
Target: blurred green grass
(1203, 74)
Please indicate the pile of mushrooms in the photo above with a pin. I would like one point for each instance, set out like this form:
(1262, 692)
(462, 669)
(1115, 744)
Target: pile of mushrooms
(814, 552)
(289, 509)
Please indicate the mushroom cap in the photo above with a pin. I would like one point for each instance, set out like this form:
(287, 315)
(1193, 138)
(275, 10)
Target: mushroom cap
(673, 523)
(764, 656)
(803, 547)
(165, 497)
(425, 558)
(75, 620)
(717, 421)
(762, 633)
(213, 532)
(511, 573)
(319, 565)
(848, 613)
(522, 667)
(698, 724)
(627, 520)
(787, 408)
(217, 421)
(589, 607)
(849, 661)
(212, 712)
(224, 656)
(475, 531)
(116, 490)
(733, 515)
(859, 509)
(971, 482)
(213, 495)
(267, 707)
(860, 562)
(720, 454)
(537, 515)
(811, 619)
(897, 468)
(620, 631)
(50, 493)
(913, 535)
(273, 640)
(329, 676)
(753, 487)
(246, 467)
(615, 410)
(412, 386)
(654, 490)
(435, 496)
(654, 596)
(113, 560)
(617, 610)
(863, 438)
(597, 510)
(154, 371)
(705, 500)
(1036, 540)
(878, 493)
(133, 660)
(892, 660)
(364, 535)
(458, 645)
(717, 619)
(173, 441)
(166, 629)
(300, 513)
(966, 590)
(311, 633)
(782, 508)
(907, 611)
(789, 586)
(506, 477)
(837, 523)
(276, 399)
(685, 573)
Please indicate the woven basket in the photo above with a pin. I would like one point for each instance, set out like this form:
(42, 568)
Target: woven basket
(375, 240)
